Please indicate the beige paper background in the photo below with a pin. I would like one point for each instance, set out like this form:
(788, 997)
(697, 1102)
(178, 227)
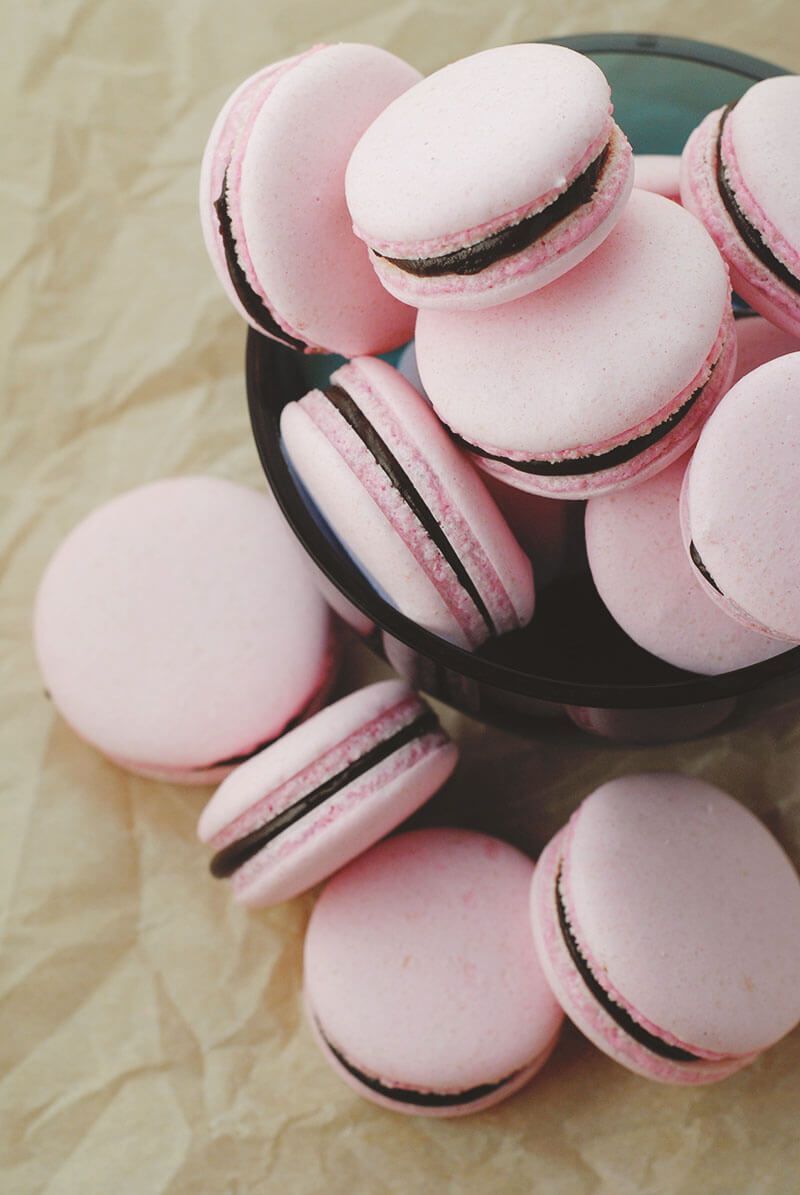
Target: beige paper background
(150, 1033)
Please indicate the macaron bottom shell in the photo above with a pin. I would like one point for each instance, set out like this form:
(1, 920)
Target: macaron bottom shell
(439, 1105)
(593, 1018)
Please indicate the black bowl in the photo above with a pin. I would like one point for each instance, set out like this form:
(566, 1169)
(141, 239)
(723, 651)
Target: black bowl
(573, 657)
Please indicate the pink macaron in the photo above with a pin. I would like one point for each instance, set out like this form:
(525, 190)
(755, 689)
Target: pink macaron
(178, 630)
(667, 922)
(272, 203)
(660, 173)
(407, 504)
(422, 985)
(759, 341)
(601, 379)
(490, 178)
(647, 582)
(740, 500)
(740, 176)
(325, 792)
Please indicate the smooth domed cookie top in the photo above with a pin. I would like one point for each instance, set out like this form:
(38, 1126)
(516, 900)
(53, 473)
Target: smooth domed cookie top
(764, 132)
(474, 141)
(687, 905)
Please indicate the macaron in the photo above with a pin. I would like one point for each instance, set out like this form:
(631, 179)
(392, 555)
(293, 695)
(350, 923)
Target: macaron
(272, 203)
(667, 921)
(603, 378)
(660, 173)
(739, 502)
(739, 175)
(407, 504)
(759, 341)
(178, 631)
(647, 582)
(490, 178)
(325, 792)
(422, 985)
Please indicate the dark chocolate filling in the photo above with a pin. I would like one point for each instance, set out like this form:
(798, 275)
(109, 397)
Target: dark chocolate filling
(251, 302)
(697, 561)
(234, 856)
(617, 1014)
(408, 1095)
(749, 234)
(378, 448)
(507, 241)
(579, 466)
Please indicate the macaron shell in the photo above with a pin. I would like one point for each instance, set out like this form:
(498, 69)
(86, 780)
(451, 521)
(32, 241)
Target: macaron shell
(646, 580)
(759, 341)
(660, 173)
(569, 988)
(162, 634)
(740, 500)
(450, 994)
(689, 909)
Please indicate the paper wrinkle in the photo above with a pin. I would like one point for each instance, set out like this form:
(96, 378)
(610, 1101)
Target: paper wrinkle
(151, 1033)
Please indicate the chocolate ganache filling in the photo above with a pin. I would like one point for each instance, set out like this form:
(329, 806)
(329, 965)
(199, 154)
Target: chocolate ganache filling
(507, 241)
(252, 303)
(408, 1095)
(380, 451)
(747, 231)
(697, 561)
(618, 1014)
(236, 854)
(594, 463)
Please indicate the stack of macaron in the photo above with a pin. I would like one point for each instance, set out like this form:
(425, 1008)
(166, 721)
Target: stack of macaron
(573, 339)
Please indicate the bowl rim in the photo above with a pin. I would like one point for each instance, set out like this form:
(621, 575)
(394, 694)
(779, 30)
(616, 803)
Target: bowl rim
(272, 369)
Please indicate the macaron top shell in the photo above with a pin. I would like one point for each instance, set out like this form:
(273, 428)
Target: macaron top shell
(473, 142)
(740, 502)
(420, 966)
(597, 355)
(177, 625)
(763, 153)
(688, 909)
(759, 341)
(660, 173)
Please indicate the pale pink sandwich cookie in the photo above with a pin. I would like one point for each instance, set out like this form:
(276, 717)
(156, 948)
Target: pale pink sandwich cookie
(272, 203)
(759, 341)
(660, 173)
(325, 792)
(667, 922)
(601, 379)
(490, 178)
(178, 631)
(740, 501)
(407, 505)
(647, 582)
(422, 985)
(740, 175)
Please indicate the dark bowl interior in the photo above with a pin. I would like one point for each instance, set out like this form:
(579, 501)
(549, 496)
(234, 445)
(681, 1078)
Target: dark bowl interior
(573, 654)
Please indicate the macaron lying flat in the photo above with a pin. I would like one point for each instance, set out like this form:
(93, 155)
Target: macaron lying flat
(422, 986)
(660, 173)
(759, 341)
(325, 792)
(272, 204)
(740, 175)
(667, 922)
(178, 630)
(739, 502)
(407, 505)
(603, 378)
(649, 585)
(490, 178)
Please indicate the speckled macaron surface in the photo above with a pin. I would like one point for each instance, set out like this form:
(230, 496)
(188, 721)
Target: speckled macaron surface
(421, 980)
(177, 628)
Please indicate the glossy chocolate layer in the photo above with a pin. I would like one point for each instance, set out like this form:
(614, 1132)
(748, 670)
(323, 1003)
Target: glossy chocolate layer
(595, 463)
(236, 854)
(508, 241)
(697, 561)
(618, 1014)
(408, 1095)
(747, 231)
(251, 302)
(382, 454)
